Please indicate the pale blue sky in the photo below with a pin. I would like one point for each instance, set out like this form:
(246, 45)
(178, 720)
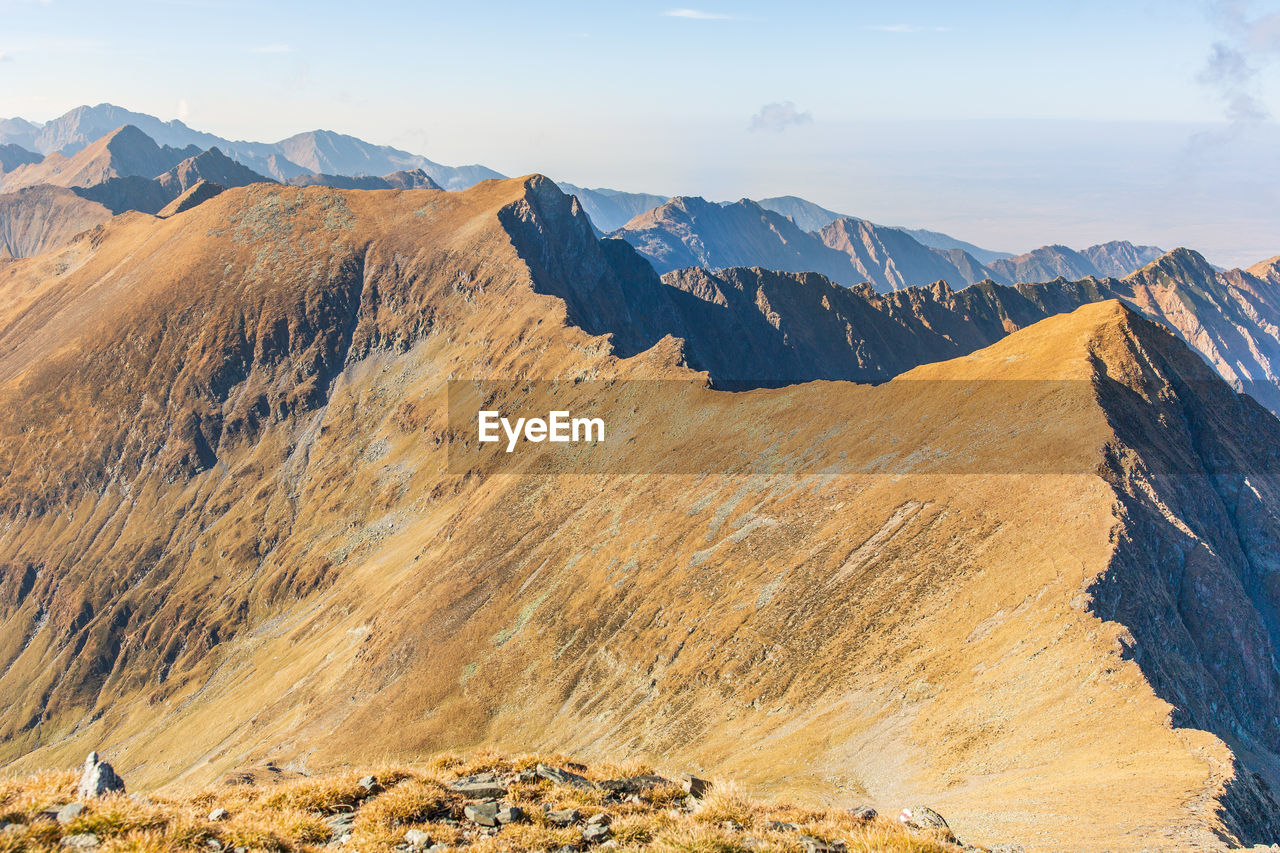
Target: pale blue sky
(1010, 124)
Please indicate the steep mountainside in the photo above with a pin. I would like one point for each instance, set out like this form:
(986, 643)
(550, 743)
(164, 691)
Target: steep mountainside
(241, 524)
(693, 232)
(611, 209)
(40, 219)
(124, 152)
(317, 151)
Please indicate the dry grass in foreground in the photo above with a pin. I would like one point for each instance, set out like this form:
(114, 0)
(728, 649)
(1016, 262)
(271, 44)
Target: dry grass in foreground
(435, 806)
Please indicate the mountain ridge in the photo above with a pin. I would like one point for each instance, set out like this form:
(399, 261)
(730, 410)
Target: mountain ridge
(232, 532)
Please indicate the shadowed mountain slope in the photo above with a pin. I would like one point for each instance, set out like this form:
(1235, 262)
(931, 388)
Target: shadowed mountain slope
(234, 530)
(39, 219)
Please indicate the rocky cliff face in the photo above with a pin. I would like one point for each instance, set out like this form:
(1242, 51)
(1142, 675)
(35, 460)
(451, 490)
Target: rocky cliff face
(232, 530)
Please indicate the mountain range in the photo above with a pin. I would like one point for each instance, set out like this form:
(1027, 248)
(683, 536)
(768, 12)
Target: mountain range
(336, 159)
(694, 232)
(318, 151)
(244, 524)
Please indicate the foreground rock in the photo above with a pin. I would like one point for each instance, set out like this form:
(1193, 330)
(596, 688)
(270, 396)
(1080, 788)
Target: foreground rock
(98, 778)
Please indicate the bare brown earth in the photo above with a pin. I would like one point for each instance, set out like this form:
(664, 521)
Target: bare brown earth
(230, 534)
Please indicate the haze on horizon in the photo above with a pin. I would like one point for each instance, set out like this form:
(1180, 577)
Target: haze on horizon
(1003, 124)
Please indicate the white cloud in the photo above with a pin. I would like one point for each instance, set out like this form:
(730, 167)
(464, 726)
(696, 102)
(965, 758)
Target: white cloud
(184, 110)
(699, 15)
(271, 48)
(778, 117)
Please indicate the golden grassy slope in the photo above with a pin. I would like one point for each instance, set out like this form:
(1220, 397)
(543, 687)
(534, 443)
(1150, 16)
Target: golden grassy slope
(293, 814)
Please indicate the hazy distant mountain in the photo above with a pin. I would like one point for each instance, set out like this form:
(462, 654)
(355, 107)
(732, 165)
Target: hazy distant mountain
(609, 209)
(891, 259)
(806, 214)
(18, 131)
(694, 232)
(1117, 259)
(415, 179)
(813, 217)
(12, 156)
(124, 170)
(326, 152)
(316, 151)
(123, 152)
(690, 231)
(938, 240)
